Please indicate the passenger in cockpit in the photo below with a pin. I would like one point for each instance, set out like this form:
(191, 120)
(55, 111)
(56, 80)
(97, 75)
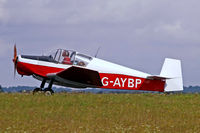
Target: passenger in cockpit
(66, 59)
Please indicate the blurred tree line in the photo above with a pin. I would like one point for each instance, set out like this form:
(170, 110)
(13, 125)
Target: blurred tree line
(1, 90)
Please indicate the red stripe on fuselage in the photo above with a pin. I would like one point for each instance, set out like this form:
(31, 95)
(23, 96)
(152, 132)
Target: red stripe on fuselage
(124, 82)
(109, 81)
(30, 69)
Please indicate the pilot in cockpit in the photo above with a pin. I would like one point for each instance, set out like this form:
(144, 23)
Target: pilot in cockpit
(66, 59)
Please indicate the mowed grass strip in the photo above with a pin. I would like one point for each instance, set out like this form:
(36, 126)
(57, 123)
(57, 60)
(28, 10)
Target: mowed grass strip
(100, 113)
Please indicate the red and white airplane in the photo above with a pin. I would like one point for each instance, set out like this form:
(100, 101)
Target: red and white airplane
(73, 69)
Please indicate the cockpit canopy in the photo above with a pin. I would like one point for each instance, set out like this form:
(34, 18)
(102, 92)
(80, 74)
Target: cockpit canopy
(70, 57)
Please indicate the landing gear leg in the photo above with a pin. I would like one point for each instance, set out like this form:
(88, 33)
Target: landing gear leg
(43, 83)
(49, 91)
(41, 86)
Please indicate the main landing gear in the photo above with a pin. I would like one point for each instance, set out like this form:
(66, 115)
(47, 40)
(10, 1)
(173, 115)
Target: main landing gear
(47, 91)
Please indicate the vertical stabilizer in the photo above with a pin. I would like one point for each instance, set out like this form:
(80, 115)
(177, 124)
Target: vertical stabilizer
(172, 70)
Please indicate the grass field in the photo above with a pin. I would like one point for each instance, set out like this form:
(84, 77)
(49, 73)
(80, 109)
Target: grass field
(100, 113)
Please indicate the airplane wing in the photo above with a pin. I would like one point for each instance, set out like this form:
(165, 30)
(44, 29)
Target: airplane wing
(157, 77)
(78, 77)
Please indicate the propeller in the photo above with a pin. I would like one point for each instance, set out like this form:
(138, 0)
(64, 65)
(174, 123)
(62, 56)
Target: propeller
(15, 59)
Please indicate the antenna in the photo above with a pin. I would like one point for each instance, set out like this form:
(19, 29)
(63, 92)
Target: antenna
(97, 52)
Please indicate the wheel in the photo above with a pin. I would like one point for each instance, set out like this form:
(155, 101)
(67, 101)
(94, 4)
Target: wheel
(48, 91)
(37, 90)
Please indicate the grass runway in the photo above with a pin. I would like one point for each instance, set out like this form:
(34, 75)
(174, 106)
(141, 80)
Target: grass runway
(91, 113)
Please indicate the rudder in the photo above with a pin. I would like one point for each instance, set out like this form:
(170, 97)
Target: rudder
(172, 70)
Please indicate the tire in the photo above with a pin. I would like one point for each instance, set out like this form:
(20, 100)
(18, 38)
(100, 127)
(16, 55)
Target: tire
(48, 93)
(36, 90)
(48, 90)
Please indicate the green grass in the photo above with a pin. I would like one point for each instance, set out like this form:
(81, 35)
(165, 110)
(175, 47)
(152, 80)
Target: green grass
(100, 113)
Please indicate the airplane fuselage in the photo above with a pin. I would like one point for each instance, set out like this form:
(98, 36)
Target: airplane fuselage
(112, 76)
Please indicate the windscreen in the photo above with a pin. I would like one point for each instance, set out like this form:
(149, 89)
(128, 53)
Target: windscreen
(82, 60)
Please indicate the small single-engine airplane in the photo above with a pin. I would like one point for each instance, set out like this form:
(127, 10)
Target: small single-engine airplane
(73, 69)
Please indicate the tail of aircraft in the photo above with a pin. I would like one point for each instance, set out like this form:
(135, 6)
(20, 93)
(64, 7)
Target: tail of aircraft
(172, 71)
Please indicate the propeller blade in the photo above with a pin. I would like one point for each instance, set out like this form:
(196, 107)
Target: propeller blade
(15, 53)
(15, 67)
(15, 60)
(15, 71)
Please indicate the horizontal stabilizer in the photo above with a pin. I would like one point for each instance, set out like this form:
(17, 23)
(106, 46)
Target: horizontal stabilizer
(157, 77)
